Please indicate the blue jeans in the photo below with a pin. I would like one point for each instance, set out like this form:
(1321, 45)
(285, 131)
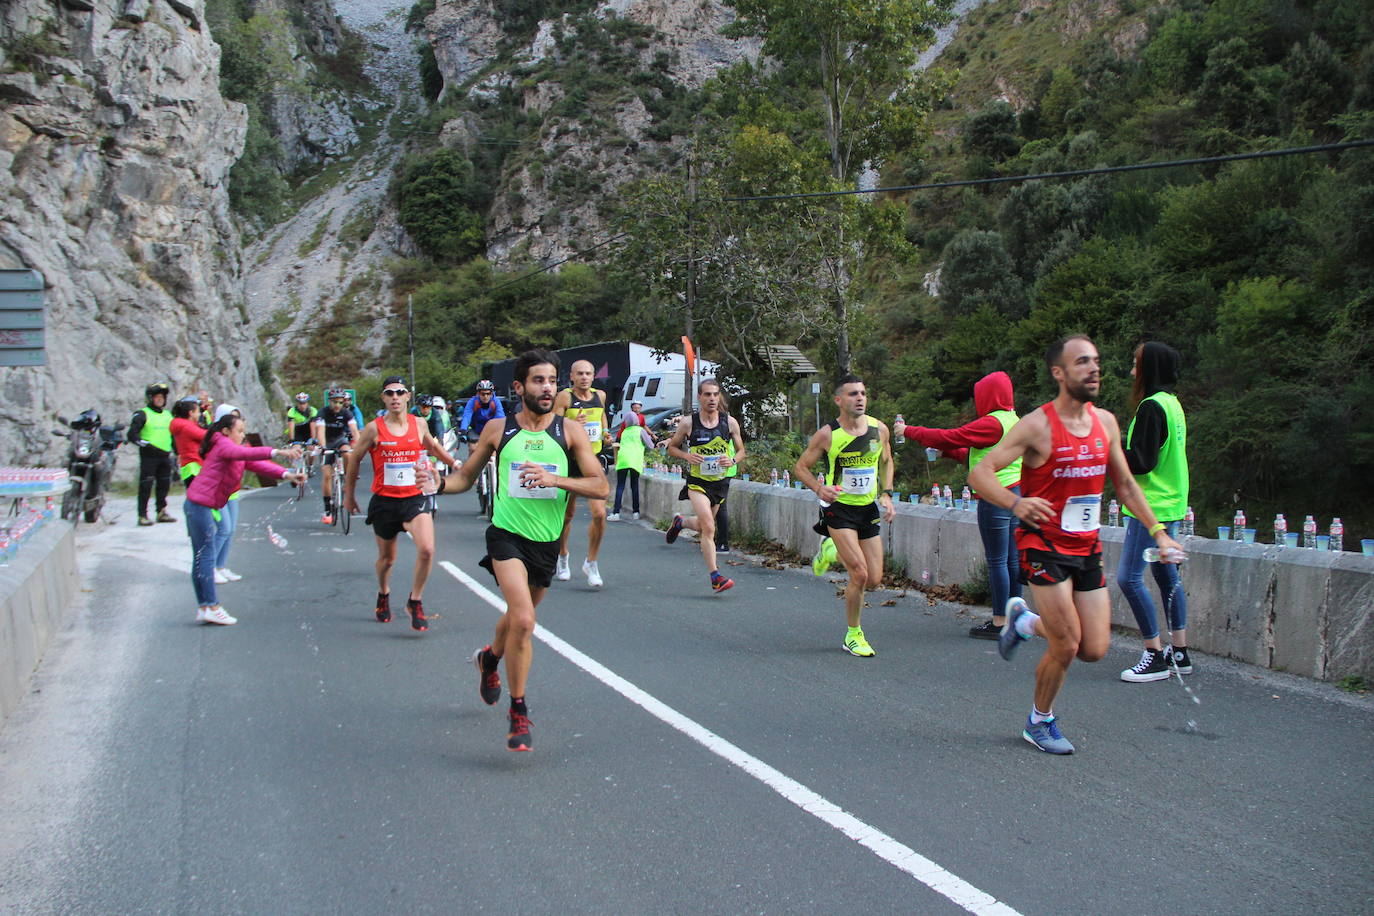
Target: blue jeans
(620, 476)
(999, 548)
(1130, 575)
(228, 521)
(201, 526)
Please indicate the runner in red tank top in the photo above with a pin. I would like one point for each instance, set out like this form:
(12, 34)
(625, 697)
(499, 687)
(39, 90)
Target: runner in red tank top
(1068, 447)
(396, 442)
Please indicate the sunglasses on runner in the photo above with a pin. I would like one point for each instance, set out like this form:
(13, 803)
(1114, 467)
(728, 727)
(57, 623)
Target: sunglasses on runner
(394, 392)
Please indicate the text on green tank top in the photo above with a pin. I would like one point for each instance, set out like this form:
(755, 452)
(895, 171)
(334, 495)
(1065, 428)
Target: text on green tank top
(592, 413)
(536, 514)
(852, 462)
(157, 428)
(712, 443)
(631, 453)
(1166, 486)
(1010, 475)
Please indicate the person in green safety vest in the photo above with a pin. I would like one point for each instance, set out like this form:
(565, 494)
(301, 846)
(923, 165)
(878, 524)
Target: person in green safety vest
(151, 430)
(629, 462)
(995, 403)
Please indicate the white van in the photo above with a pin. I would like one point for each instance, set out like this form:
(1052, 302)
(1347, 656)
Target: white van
(656, 389)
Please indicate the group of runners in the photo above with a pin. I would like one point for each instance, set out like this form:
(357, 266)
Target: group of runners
(547, 455)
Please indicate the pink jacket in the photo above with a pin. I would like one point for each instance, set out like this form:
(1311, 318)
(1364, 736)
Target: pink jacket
(223, 469)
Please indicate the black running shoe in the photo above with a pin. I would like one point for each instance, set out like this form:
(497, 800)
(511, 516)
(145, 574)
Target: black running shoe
(1177, 657)
(674, 529)
(519, 738)
(417, 614)
(1152, 667)
(383, 608)
(987, 630)
(488, 682)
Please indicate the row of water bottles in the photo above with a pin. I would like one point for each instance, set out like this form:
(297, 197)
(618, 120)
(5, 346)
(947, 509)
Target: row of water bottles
(944, 498)
(17, 481)
(1335, 536)
(21, 523)
(1187, 526)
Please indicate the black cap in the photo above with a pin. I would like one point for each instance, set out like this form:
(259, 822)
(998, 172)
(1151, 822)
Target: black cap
(395, 380)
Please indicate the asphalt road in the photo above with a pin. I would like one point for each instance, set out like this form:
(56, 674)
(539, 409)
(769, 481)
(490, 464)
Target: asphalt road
(694, 752)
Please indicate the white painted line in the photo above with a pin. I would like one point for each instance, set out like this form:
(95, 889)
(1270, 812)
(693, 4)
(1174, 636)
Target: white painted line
(885, 847)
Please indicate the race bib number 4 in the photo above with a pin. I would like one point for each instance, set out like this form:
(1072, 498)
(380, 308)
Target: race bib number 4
(1081, 514)
(858, 481)
(398, 474)
(518, 491)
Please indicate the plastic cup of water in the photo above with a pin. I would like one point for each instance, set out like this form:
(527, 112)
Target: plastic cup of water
(1247, 535)
(1367, 547)
(914, 498)
(1290, 539)
(744, 477)
(1223, 532)
(1323, 542)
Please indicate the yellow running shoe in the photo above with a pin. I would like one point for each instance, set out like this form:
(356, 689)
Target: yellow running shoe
(825, 556)
(855, 644)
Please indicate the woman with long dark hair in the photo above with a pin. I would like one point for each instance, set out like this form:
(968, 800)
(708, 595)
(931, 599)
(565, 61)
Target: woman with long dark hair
(224, 458)
(187, 436)
(1156, 447)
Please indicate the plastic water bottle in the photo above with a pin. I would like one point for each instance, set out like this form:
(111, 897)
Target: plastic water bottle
(1238, 526)
(431, 484)
(1280, 530)
(1189, 525)
(898, 440)
(773, 477)
(935, 494)
(276, 539)
(1114, 514)
(787, 478)
(1337, 535)
(947, 497)
(967, 497)
(1309, 532)
(1169, 554)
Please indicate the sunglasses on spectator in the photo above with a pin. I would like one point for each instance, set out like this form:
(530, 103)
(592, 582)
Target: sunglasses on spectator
(394, 392)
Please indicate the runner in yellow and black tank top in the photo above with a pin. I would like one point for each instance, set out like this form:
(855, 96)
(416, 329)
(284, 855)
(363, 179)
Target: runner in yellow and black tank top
(587, 405)
(712, 443)
(592, 412)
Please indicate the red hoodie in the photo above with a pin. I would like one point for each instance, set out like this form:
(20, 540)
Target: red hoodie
(991, 392)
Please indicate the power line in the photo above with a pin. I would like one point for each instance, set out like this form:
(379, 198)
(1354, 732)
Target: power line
(1075, 173)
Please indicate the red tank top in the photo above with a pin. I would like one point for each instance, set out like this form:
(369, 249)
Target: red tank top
(393, 460)
(1071, 480)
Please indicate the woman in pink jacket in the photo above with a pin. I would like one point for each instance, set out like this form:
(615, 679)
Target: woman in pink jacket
(224, 458)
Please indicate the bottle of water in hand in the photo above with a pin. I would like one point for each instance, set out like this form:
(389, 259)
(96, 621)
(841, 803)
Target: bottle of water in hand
(1168, 555)
(896, 439)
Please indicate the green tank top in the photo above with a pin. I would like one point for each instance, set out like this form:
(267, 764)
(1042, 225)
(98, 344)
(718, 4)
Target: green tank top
(157, 428)
(711, 443)
(852, 462)
(631, 453)
(1166, 487)
(534, 514)
(1010, 475)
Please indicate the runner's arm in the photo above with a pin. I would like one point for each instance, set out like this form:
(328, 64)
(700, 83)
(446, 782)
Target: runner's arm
(352, 461)
(1025, 439)
(816, 448)
(885, 470)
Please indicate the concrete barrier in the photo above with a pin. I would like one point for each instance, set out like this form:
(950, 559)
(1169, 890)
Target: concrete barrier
(36, 588)
(1302, 611)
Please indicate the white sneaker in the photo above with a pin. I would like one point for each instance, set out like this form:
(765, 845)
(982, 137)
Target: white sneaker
(592, 573)
(220, 577)
(560, 569)
(218, 615)
(636, 516)
(230, 574)
(613, 517)
(200, 614)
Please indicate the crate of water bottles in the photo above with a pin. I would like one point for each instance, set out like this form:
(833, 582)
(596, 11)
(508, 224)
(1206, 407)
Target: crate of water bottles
(15, 481)
(20, 523)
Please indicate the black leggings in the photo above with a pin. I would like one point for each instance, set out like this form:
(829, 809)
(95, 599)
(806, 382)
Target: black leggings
(154, 467)
(620, 476)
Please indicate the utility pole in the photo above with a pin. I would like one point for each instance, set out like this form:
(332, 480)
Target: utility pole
(410, 336)
(690, 384)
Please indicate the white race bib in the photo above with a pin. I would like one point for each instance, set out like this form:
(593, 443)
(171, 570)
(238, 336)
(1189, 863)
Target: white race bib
(857, 481)
(517, 491)
(593, 430)
(710, 466)
(398, 474)
(1081, 514)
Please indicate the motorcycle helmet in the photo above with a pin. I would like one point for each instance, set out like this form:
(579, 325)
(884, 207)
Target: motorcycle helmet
(156, 388)
(485, 385)
(88, 419)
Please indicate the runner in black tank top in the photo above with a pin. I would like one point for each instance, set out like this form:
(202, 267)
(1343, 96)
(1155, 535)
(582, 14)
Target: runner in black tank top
(586, 405)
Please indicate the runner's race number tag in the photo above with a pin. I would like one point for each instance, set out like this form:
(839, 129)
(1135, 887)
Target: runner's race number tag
(519, 491)
(1081, 514)
(398, 474)
(710, 466)
(858, 481)
(593, 431)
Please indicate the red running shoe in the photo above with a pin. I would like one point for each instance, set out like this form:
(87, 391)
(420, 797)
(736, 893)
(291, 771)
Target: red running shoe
(720, 583)
(674, 529)
(417, 614)
(383, 610)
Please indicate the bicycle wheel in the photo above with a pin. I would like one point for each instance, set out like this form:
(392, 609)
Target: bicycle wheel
(341, 513)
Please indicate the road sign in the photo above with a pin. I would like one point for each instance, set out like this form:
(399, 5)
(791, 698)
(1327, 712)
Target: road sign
(21, 318)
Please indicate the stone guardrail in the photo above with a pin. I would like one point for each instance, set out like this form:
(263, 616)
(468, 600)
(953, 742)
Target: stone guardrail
(36, 588)
(1302, 611)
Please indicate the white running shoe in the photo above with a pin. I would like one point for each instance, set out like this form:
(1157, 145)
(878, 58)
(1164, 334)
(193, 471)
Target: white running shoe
(220, 577)
(200, 614)
(560, 569)
(218, 615)
(592, 573)
(613, 517)
(230, 574)
(636, 516)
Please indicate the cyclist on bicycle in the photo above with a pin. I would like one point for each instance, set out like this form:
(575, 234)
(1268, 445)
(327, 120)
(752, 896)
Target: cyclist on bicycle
(479, 409)
(335, 428)
(299, 420)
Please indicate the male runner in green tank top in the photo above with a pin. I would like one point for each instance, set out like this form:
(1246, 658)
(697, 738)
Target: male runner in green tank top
(857, 451)
(587, 406)
(535, 452)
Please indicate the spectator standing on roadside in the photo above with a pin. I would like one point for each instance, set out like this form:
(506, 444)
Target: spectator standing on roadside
(187, 434)
(207, 408)
(629, 463)
(227, 518)
(151, 430)
(994, 401)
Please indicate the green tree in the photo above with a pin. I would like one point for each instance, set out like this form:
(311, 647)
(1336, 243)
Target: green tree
(435, 195)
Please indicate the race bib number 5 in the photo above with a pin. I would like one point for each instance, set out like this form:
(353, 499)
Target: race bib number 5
(1081, 514)
(858, 481)
(517, 491)
(398, 474)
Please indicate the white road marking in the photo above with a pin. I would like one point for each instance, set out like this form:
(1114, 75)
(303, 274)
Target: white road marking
(885, 847)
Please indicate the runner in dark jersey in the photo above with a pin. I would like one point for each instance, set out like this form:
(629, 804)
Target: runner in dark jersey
(536, 453)
(1069, 447)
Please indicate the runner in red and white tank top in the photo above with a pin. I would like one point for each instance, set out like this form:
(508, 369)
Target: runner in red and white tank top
(1071, 481)
(393, 459)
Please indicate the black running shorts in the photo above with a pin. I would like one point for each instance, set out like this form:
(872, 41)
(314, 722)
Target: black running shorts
(1044, 567)
(715, 490)
(388, 515)
(863, 519)
(539, 557)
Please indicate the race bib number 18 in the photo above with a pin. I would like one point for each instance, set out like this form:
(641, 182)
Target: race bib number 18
(1081, 514)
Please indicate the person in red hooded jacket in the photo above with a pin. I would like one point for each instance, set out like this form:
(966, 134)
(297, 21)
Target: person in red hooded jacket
(996, 406)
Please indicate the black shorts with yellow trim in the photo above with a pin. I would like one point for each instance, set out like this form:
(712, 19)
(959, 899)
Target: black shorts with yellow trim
(1045, 567)
(863, 519)
(714, 490)
(539, 557)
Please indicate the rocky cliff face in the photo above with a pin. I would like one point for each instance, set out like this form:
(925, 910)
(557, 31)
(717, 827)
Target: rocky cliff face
(114, 148)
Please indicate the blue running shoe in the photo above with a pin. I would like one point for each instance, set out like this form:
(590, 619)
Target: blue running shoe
(1045, 736)
(674, 529)
(1009, 639)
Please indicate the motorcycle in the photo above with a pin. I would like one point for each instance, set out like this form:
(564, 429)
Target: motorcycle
(90, 463)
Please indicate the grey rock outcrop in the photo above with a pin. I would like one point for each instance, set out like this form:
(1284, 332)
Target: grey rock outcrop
(115, 146)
